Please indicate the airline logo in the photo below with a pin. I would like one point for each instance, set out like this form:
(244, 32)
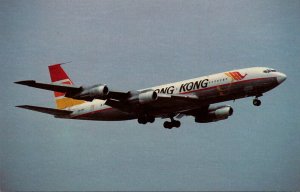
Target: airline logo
(235, 75)
(59, 76)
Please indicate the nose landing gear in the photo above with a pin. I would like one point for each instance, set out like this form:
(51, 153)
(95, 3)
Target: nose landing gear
(256, 101)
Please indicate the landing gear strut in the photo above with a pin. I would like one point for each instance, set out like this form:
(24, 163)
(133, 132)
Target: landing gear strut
(256, 101)
(172, 123)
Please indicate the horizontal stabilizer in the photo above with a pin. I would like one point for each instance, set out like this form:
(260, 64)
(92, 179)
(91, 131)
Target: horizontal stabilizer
(63, 88)
(56, 112)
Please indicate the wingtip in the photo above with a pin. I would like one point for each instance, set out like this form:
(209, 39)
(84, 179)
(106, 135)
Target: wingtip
(21, 106)
(25, 82)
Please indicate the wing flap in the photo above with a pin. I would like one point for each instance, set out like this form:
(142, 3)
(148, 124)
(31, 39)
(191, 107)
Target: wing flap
(56, 112)
(178, 97)
(189, 98)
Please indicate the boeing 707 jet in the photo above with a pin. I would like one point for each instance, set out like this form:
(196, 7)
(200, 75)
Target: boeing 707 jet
(194, 97)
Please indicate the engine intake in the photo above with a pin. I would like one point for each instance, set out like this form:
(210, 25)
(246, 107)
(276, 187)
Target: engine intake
(215, 114)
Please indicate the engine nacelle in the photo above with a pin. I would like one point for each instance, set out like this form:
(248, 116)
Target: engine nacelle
(147, 97)
(215, 114)
(94, 92)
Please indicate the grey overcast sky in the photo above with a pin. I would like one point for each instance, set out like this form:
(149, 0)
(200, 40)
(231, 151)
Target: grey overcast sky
(137, 44)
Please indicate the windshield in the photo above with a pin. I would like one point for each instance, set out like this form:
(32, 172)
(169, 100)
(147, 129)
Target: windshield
(269, 70)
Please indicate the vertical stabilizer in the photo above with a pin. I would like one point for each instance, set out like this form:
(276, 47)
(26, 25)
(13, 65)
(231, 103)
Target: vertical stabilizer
(59, 76)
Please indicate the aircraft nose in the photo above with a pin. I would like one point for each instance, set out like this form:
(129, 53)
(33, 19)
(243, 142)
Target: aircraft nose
(281, 77)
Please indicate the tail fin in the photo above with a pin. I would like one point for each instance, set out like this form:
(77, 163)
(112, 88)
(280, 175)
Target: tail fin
(59, 76)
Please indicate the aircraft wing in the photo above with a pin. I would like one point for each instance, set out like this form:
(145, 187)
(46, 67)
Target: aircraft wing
(56, 112)
(63, 88)
(70, 90)
(178, 97)
(124, 101)
(164, 103)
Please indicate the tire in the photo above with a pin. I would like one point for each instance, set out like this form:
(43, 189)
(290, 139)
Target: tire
(151, 119)
(168, 125)
(177, 124)
(142, 121)
(256, 102)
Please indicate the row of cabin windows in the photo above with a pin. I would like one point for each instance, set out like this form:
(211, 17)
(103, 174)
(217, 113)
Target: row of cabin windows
(218, 80)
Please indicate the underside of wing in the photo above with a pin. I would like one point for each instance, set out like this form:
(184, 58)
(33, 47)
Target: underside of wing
(159, 105)
(56, 112)
(178, 97)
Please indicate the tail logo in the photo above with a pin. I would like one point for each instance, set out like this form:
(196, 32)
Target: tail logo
(235, 75)
(59, 76)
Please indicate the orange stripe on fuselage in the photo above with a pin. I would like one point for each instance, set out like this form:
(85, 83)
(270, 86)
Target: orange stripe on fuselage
(228, 75)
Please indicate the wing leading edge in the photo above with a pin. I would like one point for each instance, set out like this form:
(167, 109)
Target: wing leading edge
(51, 87)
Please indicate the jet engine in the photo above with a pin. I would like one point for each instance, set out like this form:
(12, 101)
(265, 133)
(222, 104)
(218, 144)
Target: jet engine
(94, 92)
(147, 97)
(214, 114)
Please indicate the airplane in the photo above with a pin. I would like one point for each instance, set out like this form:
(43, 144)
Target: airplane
(194, 97)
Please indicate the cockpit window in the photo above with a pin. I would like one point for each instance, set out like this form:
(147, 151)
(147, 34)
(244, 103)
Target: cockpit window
(269, 70)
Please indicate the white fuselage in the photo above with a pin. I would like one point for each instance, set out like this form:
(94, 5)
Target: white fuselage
(210, 89)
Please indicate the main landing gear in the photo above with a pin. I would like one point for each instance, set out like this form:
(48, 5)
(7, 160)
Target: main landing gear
(256, 101)
(146, 119)
(172, 123)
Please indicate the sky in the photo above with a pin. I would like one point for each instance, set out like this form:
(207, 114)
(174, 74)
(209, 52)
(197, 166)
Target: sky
(137, 44)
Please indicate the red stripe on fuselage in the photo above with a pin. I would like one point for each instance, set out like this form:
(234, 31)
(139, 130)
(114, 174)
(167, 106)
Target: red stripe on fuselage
(240, 75)
(235, 76)
(249, 80)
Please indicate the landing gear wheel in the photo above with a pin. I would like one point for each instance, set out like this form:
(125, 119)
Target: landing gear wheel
(151, 119)
(256, 102)
(176, 124)
(168, 125)
(142, 121)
